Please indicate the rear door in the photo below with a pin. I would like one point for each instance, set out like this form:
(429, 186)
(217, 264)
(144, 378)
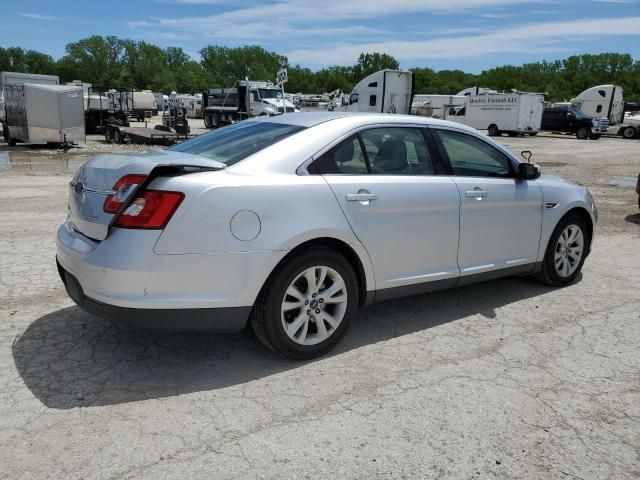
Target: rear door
(500, 216)
(404, 213)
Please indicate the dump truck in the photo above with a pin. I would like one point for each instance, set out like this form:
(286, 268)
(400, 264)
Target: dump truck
(223, 106)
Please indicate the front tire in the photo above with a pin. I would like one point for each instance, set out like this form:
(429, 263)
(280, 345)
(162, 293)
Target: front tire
(307, 304)
(566, 252)
(493, 131)
(582, 133)
(629, 133)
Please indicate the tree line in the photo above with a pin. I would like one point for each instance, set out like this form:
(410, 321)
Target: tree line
(111, 61)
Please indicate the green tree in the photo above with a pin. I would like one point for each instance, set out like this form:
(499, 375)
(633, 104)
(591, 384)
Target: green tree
(227, 65)
(369, 63)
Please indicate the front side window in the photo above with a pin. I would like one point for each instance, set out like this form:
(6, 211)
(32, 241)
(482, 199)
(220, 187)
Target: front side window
(346, 158)
(353, 99)
(472, 157)
(236, 142)
(397, 151)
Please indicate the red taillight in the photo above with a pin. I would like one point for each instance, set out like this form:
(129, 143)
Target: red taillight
(123, 189)
(151, 210)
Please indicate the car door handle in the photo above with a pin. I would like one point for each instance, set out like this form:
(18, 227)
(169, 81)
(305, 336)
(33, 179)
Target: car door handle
(361, 197)
(476, 193)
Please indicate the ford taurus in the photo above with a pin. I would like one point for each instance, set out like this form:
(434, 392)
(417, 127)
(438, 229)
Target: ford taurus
(293, 222)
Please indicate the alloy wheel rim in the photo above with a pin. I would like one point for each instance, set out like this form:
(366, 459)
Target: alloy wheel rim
(569, 250)
(314, 305)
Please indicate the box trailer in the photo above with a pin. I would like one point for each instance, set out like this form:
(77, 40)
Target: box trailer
(17, 78)
(40, 114)
(143, 101)
(512, 113)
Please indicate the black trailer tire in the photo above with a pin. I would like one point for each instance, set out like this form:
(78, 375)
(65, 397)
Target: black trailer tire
(118, 137)
(630, 132)
(533, 134)
(582, 133)
(6, 133)
(108, 134)
(493, 130)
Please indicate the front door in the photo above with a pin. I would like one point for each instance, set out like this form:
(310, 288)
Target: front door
(500, 216)
(403, 212)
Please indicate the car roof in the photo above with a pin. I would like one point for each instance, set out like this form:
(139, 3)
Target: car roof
(356, 119)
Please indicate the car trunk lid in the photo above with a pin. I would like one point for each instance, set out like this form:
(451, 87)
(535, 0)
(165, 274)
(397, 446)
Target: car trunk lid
(94, 182)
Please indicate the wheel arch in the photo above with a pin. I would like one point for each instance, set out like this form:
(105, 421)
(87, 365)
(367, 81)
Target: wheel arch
(339, 246)
(584, 214)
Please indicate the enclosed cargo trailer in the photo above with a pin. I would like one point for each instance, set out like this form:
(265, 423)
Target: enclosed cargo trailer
(512, 113)
(40, 114)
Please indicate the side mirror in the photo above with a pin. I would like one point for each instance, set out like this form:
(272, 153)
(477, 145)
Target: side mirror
(528, 171)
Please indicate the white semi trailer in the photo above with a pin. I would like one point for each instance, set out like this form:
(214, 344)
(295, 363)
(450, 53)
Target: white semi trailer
(385, 91)
(511, 113)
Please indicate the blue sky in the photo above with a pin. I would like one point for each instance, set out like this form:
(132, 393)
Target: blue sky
(442, 34)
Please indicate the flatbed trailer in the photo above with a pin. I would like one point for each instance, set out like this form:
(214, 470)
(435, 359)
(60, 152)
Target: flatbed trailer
(160, 135)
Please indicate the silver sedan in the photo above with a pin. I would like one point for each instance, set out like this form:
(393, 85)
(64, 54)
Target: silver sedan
(293, 222)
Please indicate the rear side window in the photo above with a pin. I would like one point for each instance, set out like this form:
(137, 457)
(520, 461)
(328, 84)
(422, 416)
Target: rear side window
(346, 158)
(471, 157)
(397, 151)
(236, 142)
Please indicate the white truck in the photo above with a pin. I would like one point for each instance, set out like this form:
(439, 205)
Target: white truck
(222, 106)
(606, 101)
(601, 101)
(512, 113)
(385, 91)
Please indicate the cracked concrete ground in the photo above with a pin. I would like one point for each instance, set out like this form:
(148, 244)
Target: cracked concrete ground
(505, 379)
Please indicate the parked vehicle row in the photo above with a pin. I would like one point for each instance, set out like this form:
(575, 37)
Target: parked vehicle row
(293, 222)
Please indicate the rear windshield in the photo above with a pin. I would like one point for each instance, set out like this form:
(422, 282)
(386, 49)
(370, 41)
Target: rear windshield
(231, 144)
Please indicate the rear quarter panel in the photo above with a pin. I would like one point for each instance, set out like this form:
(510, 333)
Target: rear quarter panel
(291, 209)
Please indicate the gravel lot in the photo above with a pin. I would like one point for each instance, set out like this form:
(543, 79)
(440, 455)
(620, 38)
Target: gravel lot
(505, 379)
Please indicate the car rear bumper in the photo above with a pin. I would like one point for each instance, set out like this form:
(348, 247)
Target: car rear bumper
(122, 279)
(221, 319)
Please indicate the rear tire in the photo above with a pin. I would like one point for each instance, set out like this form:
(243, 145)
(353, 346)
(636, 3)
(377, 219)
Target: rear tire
(117, 136)
(582, 133)
(286, 312)
(566, 252)
(493, 131)
(108, 134)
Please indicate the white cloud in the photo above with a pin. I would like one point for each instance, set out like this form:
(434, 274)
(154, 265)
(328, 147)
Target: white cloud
(540, 37)
(37, 16)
